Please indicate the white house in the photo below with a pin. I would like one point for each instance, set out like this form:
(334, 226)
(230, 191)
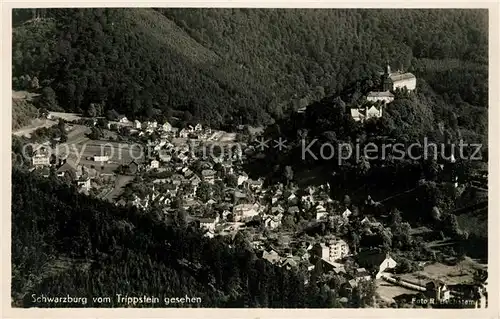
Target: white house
(244, 211)
(254, 185)
(332, 251)
(137, 125)
(198, 128)
(358, 115)
(84, 183)
(103, 158)
(122, 119)
(242, 178)
(320, 215)
(167, 127)
(165, 157)
(208, 175)
(271, 256)
(273, 222)
(374, 111)
(183, 158)
(346, 213)
(322, 251)
(398, 80)
(154, 164)
(338, 249)
(209, 223)
(184, 133)
(401, 80)
(41, 157)
(364, 113)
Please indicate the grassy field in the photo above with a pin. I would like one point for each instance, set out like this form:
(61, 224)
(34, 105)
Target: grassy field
(119, 153)
(23, 111)
(388, 291)
(475, 222)
(120, 182)
(458, 274)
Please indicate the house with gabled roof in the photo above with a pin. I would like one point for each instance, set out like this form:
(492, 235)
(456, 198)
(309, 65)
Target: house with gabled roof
(167, 127)
(376, 260)
(208, 175)
(271, 255)
(69, 168)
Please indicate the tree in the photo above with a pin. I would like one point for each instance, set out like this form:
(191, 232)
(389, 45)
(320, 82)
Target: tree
(43, 112)
(364, 294)
(92, 112)
(180, 217)
(112, 115)
(347, 200)
(404, 266)
(232, 180)
(203, 192)
(102, 123)
(355, 242)
(288, 174)
(451, 225)
(436, 213)
(48, 98)
(34, 83)
(95, 133)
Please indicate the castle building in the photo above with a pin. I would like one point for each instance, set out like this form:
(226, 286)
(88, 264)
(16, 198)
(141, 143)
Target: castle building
(398, 80)
(385, 97)
(364, 113)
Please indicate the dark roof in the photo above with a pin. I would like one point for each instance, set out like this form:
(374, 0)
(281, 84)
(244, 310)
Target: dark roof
(381, 94)
(68, 166)
(170, 186)
(45, 171)
(208, 172)
(369, 258)
(434, 283)
(133, 163)
(293, 209)
(401, 76)
(207, 220)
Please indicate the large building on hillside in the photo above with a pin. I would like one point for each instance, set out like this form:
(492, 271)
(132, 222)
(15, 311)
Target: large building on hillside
(385, 97)
(331, 251)
(398, 80)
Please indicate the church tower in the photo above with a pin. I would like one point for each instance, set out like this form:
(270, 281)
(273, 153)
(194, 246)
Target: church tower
(386, 80)
(387, 69)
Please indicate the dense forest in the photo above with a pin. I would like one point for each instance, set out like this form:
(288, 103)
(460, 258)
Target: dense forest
(64, 242)
(225, 66)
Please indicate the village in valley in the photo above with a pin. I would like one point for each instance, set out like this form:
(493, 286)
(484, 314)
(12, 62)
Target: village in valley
(194, 175)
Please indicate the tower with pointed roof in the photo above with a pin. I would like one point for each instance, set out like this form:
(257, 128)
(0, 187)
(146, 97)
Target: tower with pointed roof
(386, 79)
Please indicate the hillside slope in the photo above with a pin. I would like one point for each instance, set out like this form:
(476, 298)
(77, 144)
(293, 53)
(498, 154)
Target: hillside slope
(68, 243)
(225, 66)
(23, 110)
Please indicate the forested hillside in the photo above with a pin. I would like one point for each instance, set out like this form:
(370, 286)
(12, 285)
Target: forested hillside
(67, 243)
(23, 111)
(240, 65)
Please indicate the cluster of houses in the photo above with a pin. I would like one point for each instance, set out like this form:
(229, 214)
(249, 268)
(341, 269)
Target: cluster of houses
(246, 203)
(327, 257)
(166, 129)
(67, 168)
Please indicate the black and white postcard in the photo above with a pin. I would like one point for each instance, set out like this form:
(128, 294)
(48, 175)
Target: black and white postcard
(273, 158)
